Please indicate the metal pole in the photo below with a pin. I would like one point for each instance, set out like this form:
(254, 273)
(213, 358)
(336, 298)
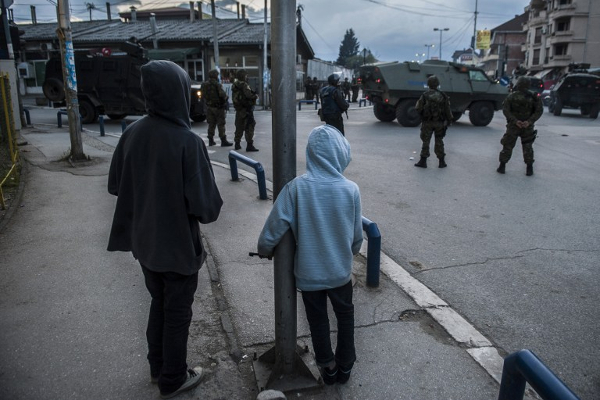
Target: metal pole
(283, 45)
(215, 35)
(70, 79)
(9, 45)
(265, 67)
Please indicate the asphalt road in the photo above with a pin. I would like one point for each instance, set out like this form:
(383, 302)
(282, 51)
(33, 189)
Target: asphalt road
(517, 256)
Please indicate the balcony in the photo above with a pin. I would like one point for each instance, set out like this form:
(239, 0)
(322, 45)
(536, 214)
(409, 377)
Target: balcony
(537, 21)
(563, 37)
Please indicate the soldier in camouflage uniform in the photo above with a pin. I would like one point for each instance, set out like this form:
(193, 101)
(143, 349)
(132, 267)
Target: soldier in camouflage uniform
(244, 99)
(436, 115)
(216, 101)
(521, 109)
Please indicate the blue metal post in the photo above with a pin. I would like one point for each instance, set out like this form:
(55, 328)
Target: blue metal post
(373, 252)
(524, 366)
(123, 125)
(260, 172)
(27, 116)
(101, 121)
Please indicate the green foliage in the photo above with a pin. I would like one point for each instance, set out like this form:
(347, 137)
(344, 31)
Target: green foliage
(348, 48)
(363, 57)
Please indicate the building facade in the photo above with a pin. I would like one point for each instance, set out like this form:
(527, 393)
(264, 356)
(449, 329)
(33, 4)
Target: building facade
(560, 33)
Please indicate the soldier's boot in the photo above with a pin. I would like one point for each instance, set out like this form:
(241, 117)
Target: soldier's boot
(237, 145)
(502, 168)
(529, 169)
(225, 143)
(442, 163)
(250, 147)
(211, 141)
(422, 163)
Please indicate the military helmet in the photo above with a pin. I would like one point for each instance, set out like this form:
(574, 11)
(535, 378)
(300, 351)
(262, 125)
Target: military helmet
(522, 84)
(213, 73)
(242, 74)
(433, 82)
(333, 79)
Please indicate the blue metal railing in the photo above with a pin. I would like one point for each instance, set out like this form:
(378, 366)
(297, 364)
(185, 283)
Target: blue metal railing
(234, 156)
(373, 252)
(62, 112)
(524, 367)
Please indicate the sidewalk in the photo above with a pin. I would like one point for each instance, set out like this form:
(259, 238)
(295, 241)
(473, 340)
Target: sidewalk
(74, 314)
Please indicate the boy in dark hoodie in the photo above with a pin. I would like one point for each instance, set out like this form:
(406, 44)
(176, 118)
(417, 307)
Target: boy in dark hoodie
(165, 185)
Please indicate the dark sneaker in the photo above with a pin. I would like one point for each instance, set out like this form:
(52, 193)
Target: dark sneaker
(193, 379)
(225, 143)
(343, 375)
(238, 145)
(329, 375)
(211, 142)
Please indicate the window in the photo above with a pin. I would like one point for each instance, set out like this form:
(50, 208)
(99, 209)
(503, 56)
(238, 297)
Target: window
(564, 2)
(561, 49)
(562, 24)
(477, 76)
(536, 57)
(538, 36)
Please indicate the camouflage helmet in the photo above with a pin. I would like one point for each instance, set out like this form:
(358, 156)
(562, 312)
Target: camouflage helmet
(213, 73)
(433, 82)
(333, 79)
(522, 84)
(242, 74)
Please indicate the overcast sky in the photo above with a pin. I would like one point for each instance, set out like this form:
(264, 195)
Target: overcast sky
(394, 30)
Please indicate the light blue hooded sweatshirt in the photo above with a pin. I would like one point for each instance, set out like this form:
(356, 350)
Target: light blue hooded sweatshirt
(323, 210)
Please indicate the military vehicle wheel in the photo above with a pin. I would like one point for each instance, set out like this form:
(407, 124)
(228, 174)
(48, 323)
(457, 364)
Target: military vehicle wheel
(53, 89)
(88, 112)
(116, 116)
(594, 110)
(198, 118)
(481, 113)
(558, 106)
(407, 114)
(456, 116)
(585, 109)
(384, 113)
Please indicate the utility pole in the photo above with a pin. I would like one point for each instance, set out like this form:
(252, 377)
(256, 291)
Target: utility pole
(282, 367)
(215, 35)
(475, 31)
(70, 79)
(265, 67)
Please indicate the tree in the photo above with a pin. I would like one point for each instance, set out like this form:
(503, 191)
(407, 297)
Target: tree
(348, 48)
(363, 57)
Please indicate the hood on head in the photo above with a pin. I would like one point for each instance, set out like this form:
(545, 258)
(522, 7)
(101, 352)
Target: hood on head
(166, 87)
(327, 152)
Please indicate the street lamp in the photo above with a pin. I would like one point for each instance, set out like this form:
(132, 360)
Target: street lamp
(441, 30)
(428, 47)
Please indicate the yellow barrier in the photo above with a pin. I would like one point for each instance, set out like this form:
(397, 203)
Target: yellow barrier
(8, 126)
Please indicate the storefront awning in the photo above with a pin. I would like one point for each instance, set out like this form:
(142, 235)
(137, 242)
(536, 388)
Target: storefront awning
(542, 74)
(172, 54)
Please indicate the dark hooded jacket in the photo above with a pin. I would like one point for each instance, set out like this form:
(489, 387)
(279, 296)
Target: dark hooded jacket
(162, 176)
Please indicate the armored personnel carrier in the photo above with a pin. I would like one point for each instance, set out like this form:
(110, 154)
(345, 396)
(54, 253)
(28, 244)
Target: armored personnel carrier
(109, 85)
(394, 89)
(576, 90)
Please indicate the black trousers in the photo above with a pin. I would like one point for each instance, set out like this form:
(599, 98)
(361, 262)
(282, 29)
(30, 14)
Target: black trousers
(168, 325)
(315, 304)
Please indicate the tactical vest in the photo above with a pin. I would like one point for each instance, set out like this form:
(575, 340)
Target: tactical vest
(434, 107)
(210, 90)
(522, 104)
(328, 104)
(238, 97)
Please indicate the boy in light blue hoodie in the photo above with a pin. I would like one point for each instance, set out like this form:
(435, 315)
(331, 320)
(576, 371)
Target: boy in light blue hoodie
(323, 210)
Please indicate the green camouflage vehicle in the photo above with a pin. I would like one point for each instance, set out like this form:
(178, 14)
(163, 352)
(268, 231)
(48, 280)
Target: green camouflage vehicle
(394, 89)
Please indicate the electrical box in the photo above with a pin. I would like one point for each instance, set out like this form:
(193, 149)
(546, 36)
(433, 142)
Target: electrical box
(25, 70)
